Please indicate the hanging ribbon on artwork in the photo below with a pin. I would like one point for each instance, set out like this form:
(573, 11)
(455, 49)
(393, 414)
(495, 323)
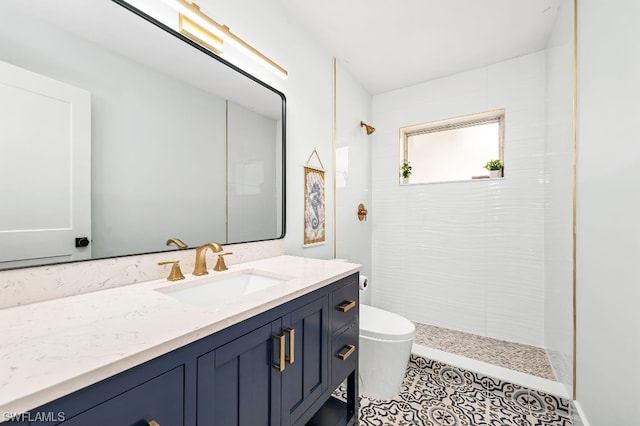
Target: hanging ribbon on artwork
(314, 202)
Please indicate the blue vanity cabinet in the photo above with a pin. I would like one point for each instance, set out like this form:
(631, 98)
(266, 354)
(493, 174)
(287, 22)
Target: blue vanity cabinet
(343, 359)
(159, 400)
(154, 393)
(277, 368)
(269, 376)
(306, 376)
(344, 331)
(238, 383)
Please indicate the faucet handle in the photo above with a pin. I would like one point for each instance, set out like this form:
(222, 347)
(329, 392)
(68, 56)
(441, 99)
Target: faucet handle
(220, 265)
(176, 272)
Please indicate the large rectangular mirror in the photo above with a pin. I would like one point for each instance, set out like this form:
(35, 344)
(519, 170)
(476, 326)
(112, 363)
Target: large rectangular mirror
(117, 129)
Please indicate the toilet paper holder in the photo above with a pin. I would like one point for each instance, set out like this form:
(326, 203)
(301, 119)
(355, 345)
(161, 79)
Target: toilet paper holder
(363, 282)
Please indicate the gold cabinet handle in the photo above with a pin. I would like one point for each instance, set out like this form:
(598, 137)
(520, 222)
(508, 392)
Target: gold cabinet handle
(292, 345)
(344, 355)
(280, 366)
(153, 423)
(346, 306)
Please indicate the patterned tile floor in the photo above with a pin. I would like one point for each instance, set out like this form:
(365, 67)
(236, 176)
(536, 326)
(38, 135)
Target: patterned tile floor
(524, 358)
(436, 394)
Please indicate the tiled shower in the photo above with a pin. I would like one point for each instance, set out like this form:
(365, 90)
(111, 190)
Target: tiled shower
(487, 257)
(466, 255)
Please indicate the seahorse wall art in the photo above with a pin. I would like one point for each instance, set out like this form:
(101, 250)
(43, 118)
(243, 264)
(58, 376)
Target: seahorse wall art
(314, 219)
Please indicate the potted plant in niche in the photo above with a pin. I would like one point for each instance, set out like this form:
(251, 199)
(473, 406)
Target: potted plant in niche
(405, 170)
(495, 168)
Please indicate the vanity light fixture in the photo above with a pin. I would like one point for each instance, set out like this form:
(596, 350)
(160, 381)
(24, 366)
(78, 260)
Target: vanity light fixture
(199, 34)
(191, 13)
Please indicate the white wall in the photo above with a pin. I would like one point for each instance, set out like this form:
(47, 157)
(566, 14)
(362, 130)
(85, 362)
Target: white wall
(608, 290)
(465, 255)
(353, 240)
(308, 90)
(558, 213)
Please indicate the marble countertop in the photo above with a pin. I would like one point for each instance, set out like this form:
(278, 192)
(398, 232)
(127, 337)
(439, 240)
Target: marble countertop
(52, 348)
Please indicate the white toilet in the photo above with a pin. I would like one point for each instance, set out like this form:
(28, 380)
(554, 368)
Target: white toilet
(385, 346)
(385, 343)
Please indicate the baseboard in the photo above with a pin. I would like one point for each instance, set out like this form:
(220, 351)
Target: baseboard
(581, 413)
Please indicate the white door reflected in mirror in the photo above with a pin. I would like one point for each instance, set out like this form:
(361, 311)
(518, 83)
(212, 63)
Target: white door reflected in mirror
(45, 178)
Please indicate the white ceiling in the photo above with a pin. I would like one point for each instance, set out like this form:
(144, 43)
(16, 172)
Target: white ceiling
(389, 44)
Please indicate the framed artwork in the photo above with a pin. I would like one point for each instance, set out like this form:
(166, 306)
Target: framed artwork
(314, 204)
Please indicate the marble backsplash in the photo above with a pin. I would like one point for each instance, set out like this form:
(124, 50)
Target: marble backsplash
(37, 284)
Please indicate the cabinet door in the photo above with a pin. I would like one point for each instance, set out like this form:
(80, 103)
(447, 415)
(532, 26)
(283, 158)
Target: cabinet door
(305, 377)
(160, 399)
(238, 384)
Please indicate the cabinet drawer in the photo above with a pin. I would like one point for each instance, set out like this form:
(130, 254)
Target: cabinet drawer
(344, 354)
(345, 306)
(160, 399)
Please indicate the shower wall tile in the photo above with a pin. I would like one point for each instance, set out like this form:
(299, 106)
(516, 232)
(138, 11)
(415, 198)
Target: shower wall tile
(516, 97)
(467, 256)
(446, 287)
(520, 129)
(393, 255)
(467, 90)
(515, 258)
(389, 298)
(518, 157)
(515, 303)
(390, 210)
(447, 108)
(512, 72)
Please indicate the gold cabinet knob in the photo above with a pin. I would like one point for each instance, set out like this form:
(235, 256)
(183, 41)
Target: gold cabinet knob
(176, 272)
(153, 423)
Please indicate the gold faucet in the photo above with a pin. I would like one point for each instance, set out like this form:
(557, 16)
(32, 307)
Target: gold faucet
(176, 242)
(201, 257)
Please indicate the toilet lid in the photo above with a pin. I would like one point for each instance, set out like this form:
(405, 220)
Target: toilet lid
(384, 325)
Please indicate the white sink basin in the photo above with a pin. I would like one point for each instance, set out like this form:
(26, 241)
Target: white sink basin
(212, 290)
